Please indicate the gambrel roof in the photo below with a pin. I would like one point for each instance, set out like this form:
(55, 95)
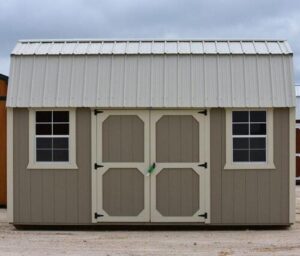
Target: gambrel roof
(151, 73)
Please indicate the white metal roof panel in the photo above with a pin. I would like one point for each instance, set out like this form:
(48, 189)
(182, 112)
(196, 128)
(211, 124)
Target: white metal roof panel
(107, 48)
(55, 49)
(236, 48)
(133, 48)
(197, 48)
(158, 47)
(184, 47)
(94, 48)
(248, 48)
(145, 47)
(261, 48)
(210, 48)
(43, 49)
(119, 48)
(156, 81)
(80, 47)
(223, 48)
(171, 47)
(68, 48)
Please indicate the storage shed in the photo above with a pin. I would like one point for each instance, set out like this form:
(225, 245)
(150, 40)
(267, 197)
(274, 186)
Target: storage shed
(151, 132)
(3, 178)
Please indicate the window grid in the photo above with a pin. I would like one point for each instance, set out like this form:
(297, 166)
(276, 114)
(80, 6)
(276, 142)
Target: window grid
(52, 136)
(249, 136)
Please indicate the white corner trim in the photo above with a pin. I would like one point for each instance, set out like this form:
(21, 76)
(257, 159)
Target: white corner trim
(72, 142)
(230, 165)
(94, 139)
(292, 154)
(208, 175)
(10, 162)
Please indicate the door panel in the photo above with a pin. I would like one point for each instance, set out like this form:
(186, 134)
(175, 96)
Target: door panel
(148, 166)
(122, 152)
(123, 139)
(123, 192)
(177, 192)
(178, 183)
(177, 139)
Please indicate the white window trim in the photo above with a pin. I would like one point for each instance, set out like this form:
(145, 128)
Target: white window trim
(269, 164)
(71, 164)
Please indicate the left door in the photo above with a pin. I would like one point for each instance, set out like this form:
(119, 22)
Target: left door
(121, 157)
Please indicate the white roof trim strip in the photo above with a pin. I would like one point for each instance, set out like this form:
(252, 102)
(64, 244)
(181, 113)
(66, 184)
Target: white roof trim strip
(119, 47)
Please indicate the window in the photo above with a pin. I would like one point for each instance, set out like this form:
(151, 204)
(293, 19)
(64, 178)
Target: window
(52, 139)
(249, 141)
(249, 136)
(52, 136)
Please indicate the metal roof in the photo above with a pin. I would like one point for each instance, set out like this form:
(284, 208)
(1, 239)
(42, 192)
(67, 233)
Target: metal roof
(103, 47)
(151, 81)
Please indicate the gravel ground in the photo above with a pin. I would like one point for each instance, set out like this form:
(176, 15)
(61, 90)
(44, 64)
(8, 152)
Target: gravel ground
(108, 243)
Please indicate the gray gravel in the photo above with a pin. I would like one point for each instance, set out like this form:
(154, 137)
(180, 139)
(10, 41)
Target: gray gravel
(221, 243)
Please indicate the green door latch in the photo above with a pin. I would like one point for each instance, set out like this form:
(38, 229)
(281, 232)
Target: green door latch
(151, 168)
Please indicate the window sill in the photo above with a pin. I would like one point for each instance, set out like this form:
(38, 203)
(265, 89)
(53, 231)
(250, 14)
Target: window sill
(249, 166)
(50, 166)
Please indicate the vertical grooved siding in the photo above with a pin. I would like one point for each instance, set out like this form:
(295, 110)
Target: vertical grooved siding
(129, 81)
(52, 196)
(237, 196)
(250, 196)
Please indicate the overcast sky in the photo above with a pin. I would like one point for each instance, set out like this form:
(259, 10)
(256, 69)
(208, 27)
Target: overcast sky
(213, 19)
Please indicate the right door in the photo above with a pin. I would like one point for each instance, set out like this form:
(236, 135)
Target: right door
(179, 170)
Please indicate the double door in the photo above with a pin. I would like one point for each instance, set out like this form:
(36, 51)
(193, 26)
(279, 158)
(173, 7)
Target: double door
(150, 166)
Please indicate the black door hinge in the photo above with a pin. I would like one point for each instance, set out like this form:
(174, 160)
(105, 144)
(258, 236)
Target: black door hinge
(204, 112)
(96, 166)
(204, 215)
(96, 111)
(203, 165)
(97, 215)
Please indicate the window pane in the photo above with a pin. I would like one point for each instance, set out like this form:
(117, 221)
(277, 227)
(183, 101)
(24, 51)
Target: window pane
(257, 143)
(61, 116)
(60, 155)
(61, 143)
(45, 143)
(258, 155)
(43, 116)
(240, 116)
(43, 129)
(43, 155)
(258, 129)
(258, 116)
(240, 143)
(240, 129)
(240, 155)
(61, 129)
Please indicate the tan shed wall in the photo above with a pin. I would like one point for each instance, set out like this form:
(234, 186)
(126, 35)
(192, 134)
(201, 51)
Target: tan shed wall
(52, 196)
(237, 196)
(250, 196)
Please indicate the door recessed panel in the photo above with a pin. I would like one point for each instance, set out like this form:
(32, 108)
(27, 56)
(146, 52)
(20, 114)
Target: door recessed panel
(123, 192)
(177, 192)
(177, 139)
(123, 139)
